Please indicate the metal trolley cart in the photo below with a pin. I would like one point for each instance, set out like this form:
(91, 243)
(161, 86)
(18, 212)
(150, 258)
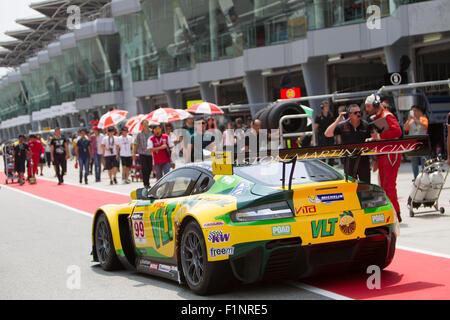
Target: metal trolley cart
(8, 160)
(427, 187)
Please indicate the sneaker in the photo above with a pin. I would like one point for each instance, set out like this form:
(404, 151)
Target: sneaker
(21, 183)
(111, 182)
(115, 181)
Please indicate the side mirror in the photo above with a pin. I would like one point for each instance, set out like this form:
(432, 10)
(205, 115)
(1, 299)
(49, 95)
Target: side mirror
(142, 194)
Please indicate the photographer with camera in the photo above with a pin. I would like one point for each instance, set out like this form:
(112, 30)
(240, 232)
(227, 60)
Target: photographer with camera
(387, 165)
(352, 130)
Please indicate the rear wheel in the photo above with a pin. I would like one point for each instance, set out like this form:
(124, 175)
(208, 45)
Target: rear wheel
(202, 277)
(104, 245)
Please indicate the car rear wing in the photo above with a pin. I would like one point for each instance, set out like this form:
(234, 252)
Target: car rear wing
(412, 146)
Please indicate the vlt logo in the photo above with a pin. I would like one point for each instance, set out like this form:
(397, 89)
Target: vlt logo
(323, 228)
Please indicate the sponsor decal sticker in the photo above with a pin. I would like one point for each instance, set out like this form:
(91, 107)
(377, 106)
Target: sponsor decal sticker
(213, 252)
(228, 180)
(240, 188)
(347, 223)
(281, 230)
(323, 227)
(378, 218)
(218, 237)
(326, 198)
(213, 224)
(138, 227)
(153, 266)
(306, 210)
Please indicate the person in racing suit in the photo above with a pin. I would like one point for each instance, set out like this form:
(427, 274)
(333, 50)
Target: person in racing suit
(37, 149)
(387, 165)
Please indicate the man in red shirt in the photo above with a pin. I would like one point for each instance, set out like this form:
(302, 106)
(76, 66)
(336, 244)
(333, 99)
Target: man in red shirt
(36, 148)
(389, 164)
(159, 144)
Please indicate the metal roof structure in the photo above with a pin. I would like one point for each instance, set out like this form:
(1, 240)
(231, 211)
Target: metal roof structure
(44, 29)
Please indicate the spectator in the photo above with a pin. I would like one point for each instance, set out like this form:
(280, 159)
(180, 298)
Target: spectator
(203, 138)
(228, 136)
(48, 158)
(387, 165)
(252, 139)
(109, 148)
(354, 130)
(124, 148)
(42, 154)
(416, 125)
(159, 145)
(145, 156)
(96, 145)
(21, 151)
(59, 151)
(83, 153)
(322, 122)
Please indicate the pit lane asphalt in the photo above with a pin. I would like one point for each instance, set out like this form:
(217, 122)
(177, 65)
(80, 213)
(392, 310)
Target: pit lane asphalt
(41, 241)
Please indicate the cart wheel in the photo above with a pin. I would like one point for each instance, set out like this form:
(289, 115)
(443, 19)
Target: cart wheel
(442, 210)
(411, 213)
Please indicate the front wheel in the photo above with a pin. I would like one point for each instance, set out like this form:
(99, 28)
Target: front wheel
(201, 276)
(104, 245)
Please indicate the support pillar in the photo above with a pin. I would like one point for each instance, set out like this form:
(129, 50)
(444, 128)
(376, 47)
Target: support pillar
(254, 86)
(316, 79)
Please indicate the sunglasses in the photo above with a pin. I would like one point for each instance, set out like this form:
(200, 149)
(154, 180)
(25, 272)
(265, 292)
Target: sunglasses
(356, 112)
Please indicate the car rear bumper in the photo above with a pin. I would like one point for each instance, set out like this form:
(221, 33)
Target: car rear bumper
(288, 258)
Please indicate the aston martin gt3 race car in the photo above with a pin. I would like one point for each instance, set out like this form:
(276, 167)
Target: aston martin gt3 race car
(266, 220)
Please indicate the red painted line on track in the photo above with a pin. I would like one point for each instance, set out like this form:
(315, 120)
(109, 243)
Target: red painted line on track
(411, 275)
(77, 197)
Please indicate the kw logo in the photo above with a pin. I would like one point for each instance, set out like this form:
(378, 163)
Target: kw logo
(320, 227)
(306, 210)
(218, 236)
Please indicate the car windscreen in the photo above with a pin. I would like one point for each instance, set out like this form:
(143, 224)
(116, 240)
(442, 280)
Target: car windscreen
(271, 174)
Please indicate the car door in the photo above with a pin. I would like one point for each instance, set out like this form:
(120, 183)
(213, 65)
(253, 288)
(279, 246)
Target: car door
(153, 222)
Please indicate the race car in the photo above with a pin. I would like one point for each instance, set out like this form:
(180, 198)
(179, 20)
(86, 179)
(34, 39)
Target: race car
(265, 220)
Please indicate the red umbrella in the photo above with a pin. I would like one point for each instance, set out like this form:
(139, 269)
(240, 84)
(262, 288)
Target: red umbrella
(112, 118)
(205, 108)
(134, 124)
(165, 115)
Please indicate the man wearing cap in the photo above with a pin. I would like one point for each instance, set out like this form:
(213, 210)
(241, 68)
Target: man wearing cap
(96, 143)
(21, 150)
(59, 151)
(387, 165)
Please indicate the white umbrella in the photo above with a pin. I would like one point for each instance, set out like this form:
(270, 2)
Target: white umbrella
(112, 118)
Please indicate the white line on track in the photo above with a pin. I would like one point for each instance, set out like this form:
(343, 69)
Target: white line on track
(318, 291)
(430, 253)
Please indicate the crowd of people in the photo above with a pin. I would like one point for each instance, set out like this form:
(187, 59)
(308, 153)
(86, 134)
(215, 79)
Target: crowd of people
(152, 149)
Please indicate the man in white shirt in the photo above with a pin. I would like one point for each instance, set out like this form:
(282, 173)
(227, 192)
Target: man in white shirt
(124, 144)
(110, 155)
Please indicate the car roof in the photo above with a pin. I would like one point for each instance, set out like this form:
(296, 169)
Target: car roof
(205, 165)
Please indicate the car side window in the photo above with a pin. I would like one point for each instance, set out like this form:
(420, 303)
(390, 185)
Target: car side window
(203, 184)
(177, 183)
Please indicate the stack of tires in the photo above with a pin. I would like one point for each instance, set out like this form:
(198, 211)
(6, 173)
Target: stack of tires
(270, 117)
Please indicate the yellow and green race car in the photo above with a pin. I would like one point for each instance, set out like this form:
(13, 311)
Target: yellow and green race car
(211, 231)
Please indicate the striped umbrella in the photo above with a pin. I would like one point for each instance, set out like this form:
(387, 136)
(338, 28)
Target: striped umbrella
(205, 108)
(112, 118)
(134, 124)
(165, 115)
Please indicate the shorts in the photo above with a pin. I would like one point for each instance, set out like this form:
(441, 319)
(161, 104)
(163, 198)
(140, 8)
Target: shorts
(127, 161)
(19, 165)
(161, 169)
(111, 162)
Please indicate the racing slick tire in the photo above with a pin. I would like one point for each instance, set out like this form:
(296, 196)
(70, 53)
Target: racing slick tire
(104, 245)
(201, 276)
(263, 117)
(289, 126)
